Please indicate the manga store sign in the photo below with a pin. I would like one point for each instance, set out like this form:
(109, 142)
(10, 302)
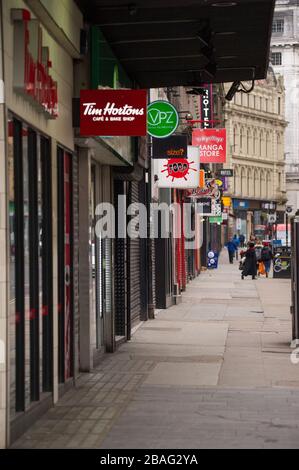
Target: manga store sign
(113, 112)
(31, 76)
(211, 143)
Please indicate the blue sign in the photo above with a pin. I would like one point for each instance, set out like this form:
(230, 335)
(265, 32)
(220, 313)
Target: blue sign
(239, 204)
(212, 260)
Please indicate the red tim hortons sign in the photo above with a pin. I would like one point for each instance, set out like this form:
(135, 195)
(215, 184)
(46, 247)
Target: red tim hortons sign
(113, 112)
(32, 64)
(211, 143)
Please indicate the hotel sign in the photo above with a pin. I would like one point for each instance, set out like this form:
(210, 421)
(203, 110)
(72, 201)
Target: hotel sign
(113, 112)
(31, 76)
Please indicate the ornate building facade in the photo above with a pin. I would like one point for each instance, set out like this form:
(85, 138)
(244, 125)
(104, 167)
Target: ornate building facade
(284, 58)
(256, 126)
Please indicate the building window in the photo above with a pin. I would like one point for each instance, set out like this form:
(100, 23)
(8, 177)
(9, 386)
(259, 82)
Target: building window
(278, 26)
(276, 58)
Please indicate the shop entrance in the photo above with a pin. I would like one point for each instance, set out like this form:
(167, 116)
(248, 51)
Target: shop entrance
(30, 266)
(65, 266)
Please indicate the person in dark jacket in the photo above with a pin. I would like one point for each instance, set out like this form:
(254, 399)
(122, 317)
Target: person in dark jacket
(231, 248)
(267, 256)
(250, 263)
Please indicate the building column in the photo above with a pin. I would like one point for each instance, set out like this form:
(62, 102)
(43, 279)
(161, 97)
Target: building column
(55, 268)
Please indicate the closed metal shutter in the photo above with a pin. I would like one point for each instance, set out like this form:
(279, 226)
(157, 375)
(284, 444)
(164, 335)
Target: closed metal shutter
(120, 271)
(134, 288)
(76, 261)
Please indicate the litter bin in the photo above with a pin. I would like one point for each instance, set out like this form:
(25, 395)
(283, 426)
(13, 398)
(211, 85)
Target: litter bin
(282, 262)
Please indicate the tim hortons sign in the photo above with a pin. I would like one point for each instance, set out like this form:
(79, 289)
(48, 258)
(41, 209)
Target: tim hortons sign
(31, 77)
(113, 112)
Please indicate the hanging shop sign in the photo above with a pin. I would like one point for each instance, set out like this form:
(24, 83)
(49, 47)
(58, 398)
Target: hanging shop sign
(238, 204)
(206, 106)
(202, 178)
(162, 119)
(212, 144)
(179, 173)
(113, 112)
(204, 205)
(31, 62)
(174, 146)
(226, 201)
(210, 189)
(215, 220)
(225, 172)
(216, 208)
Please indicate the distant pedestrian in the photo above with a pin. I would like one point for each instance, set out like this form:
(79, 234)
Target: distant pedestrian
(236, 241)
(231, 248)
(249, 266)
(242, 240)
(258, 253)
(267, 256)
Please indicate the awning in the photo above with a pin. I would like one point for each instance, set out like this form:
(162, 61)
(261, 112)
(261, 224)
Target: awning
(186, 42)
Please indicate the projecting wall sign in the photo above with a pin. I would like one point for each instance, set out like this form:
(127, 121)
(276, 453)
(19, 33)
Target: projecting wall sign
(162, 119)
(179, 172)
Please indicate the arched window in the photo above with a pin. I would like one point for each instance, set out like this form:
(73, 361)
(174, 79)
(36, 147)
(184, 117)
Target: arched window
(256, 184)
(255, 143)
(237, 182)
(268, 144)
(249, 142)
(250, 188)
(268, 185)
(243, 182)
(279, 147)
(261, 148)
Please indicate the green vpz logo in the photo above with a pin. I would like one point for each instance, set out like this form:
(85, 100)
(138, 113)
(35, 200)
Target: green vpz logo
(162, 119)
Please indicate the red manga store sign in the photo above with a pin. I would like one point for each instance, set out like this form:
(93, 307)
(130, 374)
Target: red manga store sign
(31, 76)
(211, 143)
(113, 112)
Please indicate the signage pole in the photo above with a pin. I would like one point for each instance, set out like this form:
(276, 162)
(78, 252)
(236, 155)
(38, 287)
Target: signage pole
(287, 231)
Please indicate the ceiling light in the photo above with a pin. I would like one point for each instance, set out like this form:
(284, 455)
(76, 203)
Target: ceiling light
(226, 33)
(227, 57)
(224, 4)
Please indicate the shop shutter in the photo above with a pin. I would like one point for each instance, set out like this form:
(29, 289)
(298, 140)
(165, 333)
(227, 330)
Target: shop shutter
(134, 289)
(120, 271)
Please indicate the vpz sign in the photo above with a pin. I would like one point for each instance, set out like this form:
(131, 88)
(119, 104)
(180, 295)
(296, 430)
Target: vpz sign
(162, 119)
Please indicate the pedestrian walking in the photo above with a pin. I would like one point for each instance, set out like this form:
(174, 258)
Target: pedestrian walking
(236, 241)
(242, 240)
(231, 248)
(258, 253)
(267, 256)
(250, 263)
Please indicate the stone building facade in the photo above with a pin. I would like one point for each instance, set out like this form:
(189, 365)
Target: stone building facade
(256, 126)
(285, 59)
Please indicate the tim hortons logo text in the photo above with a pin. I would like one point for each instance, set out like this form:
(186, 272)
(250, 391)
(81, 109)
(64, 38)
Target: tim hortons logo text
(111, 112)
(32, 64)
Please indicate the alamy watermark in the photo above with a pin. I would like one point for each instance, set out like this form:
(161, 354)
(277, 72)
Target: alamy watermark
(159, 220)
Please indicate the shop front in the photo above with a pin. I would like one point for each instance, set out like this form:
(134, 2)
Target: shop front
(41, 200)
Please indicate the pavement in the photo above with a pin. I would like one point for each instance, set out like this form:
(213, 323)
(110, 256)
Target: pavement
(212, 372)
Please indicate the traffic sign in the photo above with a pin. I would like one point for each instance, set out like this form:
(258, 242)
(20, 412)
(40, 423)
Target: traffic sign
(162, 119)
(289, 209)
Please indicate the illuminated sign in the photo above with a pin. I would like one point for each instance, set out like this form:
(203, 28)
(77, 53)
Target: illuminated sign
(162, 119)
(174, 146)
(113, 112)
(31, 77)
(206, 106)
(179, 172)
(212, 144)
